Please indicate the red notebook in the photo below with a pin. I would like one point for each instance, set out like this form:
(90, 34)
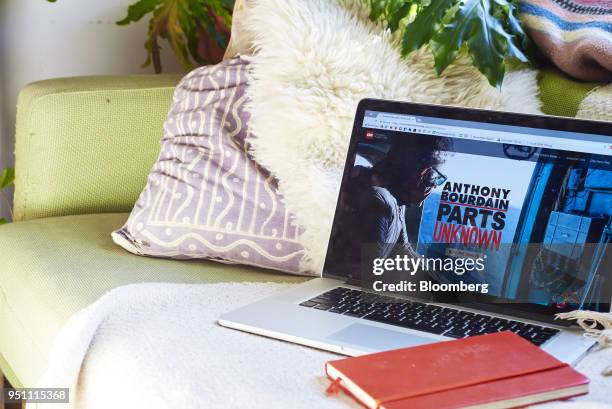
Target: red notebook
(499, 370)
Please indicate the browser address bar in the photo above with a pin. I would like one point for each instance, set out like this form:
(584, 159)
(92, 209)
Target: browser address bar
(411, 124)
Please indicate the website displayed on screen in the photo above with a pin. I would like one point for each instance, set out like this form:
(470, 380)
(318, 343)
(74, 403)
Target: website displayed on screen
(522, 215)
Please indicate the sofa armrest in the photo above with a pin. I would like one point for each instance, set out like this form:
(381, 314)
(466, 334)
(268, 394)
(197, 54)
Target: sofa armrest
(86, 145)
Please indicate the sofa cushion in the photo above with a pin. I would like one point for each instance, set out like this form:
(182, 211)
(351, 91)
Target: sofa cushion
(86, 145)
(562, 96)
(52, 268)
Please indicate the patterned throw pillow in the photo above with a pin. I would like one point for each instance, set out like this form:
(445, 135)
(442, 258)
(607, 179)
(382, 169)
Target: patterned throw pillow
(205, 197)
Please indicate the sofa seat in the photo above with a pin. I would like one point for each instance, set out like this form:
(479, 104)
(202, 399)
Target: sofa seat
(51, 268)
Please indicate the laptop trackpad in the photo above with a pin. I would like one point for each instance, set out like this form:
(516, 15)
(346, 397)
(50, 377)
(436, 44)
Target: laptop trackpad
(377, 339)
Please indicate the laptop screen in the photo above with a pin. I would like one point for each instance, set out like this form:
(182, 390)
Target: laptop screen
(500, 212)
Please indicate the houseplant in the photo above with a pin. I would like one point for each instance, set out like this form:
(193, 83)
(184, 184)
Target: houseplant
(488, 30)
(7, 178)
(197, 30)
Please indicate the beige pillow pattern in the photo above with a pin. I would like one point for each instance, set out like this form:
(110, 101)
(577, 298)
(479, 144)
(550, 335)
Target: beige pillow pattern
(205, 197)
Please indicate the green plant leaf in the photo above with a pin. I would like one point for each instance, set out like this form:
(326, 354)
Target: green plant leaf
(7, 178)
(391, 11)
(223, 9)
(176, 36)
(189, 27)
(3, 221)
(398, 15)
(425, 25)
(209, 25)
(228, 4)
(179, 22)
(513, 26)
(151, 44)
(488, 29)
(138, 10)
(477, 23)
(377, 9)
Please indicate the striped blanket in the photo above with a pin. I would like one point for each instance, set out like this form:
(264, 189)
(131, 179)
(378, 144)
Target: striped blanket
(576, 35)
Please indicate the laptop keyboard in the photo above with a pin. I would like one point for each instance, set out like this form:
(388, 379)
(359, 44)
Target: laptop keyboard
(423, 317)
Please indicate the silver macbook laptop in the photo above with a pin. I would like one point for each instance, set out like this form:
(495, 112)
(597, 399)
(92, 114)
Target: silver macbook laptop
(455, 222)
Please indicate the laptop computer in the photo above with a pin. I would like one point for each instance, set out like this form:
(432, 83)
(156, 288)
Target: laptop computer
(455, 222)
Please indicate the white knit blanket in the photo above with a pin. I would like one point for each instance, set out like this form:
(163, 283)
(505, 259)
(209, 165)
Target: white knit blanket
(158, 346)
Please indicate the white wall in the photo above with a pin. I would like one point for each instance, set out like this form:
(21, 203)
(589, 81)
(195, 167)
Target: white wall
(41, 40)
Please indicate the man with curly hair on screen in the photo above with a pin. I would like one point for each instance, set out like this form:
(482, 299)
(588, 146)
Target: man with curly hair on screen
(379, 195)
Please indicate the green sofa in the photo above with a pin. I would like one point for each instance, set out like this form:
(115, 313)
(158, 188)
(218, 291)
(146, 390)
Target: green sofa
(84, 147)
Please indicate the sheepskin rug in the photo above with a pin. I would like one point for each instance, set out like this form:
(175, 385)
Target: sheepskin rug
(314, 61)
(597, 105)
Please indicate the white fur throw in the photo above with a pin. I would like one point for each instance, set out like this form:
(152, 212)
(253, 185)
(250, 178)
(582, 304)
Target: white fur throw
(597, 105)
(314, 61)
